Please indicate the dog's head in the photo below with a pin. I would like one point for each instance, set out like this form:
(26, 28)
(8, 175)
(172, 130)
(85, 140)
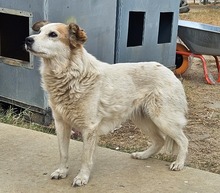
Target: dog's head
(54, 39)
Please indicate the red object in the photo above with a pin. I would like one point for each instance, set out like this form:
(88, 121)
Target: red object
(208, 77)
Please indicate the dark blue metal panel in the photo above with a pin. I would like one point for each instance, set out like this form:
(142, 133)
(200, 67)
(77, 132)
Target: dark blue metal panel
(150, 48)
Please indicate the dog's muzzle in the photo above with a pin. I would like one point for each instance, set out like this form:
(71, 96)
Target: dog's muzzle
(29, 42)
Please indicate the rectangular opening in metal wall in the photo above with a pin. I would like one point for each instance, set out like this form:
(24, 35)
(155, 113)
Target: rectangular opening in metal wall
(14, 29)
(135, 28)
(165, 27)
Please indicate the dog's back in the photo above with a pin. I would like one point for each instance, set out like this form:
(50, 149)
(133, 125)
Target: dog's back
(131, 85)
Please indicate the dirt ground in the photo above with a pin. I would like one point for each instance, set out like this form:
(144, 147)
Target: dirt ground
(203, 129)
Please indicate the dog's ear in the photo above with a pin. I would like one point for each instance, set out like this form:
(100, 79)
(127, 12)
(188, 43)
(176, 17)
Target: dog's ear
(77, 35)
(39, 24)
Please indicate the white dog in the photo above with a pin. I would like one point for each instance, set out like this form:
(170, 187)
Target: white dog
(94, 97)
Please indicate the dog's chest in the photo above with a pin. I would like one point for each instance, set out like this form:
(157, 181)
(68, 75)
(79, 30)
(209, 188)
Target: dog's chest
(64, 99)
(70, 111)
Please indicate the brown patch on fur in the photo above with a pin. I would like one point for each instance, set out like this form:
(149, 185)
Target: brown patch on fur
(64, 34)
(77, 36)
(38, 25)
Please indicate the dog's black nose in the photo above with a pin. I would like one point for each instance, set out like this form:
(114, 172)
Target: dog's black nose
(29, 41)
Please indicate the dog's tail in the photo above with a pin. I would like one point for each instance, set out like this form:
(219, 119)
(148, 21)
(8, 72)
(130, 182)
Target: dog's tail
(170, 146)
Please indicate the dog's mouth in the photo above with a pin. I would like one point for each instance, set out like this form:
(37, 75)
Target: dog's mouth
(29, 49)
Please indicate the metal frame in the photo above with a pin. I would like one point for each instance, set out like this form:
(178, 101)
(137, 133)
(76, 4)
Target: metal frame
(209, 77)
(12, 61)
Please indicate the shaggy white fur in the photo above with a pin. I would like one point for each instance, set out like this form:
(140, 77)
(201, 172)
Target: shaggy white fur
(95, 97)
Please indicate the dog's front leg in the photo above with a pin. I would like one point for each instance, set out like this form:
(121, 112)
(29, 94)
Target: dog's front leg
(89, 144)
(63, 134)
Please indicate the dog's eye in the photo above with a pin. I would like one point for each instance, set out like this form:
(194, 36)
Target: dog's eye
(52, 34)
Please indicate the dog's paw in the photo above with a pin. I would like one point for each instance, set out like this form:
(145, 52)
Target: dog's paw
(80, 180)
(139, 155)
(136, 155)
(176, 166)
(59, 174)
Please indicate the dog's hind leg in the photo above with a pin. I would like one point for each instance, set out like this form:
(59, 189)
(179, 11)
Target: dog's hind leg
(147, 126)
(90, 139)
(63, 134)
(182, 142)
(173, 130)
